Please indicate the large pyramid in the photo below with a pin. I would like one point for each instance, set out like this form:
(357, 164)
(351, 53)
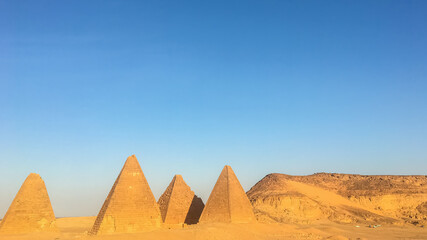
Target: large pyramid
(178, 204)
(31, 210)
(130, 206)
(228, 201)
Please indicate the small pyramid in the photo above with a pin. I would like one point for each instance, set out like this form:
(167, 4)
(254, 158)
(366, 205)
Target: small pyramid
(130, 206)
(31, 210)
(178, 204)
(228, 201)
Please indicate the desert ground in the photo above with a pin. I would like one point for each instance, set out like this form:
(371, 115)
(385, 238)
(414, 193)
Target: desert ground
(279, 206)
(77, 228)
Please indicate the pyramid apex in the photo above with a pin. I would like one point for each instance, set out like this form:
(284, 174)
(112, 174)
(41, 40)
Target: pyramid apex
(177, 179)
(33, 176)
(227, 170)
(131, 159)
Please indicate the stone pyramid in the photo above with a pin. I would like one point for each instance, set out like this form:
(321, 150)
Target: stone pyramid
(31, 210)
(228, 201)
(130, 206)
(178, 204)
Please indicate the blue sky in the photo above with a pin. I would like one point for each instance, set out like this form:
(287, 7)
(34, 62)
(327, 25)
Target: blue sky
(294, 87)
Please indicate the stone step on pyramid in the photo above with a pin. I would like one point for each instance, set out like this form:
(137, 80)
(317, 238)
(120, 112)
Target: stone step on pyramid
(31, 210)
(228, 201)
(130, 206)
(178, 204)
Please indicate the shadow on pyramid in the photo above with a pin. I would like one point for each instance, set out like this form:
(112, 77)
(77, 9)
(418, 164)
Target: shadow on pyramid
(130, 206)
(228, 201)
(178, 204)
(31, 210)
(195, 211)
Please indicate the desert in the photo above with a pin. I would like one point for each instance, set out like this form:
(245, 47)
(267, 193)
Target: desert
(213, 120)
(279, 206)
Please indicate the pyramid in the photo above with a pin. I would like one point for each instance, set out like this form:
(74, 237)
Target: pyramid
(31, 210)
(228, 201)
(130, 206)
(178, 204)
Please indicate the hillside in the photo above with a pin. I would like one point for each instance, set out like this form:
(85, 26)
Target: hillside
(342, 198)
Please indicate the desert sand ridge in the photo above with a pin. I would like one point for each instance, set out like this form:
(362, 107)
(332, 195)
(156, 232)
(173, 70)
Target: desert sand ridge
(341, 198)
(31, 210)
(228, 201)
(178, 204)
(130, 206)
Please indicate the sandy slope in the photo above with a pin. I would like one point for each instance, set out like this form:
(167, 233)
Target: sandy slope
(76, 228)
(319, 206)
(341, 198)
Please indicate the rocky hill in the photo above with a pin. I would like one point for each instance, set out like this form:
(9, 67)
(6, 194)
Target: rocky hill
(342, 198)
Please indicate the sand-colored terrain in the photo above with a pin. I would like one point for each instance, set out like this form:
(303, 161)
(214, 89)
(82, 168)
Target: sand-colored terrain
(341, 198)
(77, 228)
(319, 206)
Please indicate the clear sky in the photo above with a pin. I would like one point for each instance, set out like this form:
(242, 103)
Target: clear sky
(294, 87)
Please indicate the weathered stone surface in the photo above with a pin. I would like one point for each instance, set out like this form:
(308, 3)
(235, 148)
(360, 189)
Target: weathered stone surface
(341, 198)
(130, 205)
(177, 201)
(228, 201)
(31, 210)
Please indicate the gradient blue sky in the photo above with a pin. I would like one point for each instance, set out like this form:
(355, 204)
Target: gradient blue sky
(295, 87)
